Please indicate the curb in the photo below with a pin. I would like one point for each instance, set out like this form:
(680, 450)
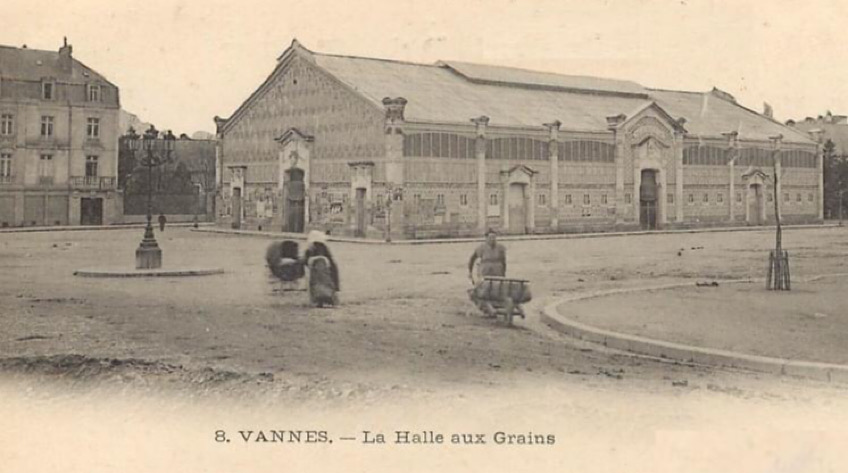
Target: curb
(830, 372)
(106, 273)
(502, 238)
(81, 228)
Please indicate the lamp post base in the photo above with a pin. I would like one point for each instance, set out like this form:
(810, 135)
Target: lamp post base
(148, 255)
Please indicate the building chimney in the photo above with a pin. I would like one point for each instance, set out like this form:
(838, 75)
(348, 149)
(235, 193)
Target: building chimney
(65, 59)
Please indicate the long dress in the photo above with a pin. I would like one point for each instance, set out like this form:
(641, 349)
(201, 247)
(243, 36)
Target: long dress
(323, 275)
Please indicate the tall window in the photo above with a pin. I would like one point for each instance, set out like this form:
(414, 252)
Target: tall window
(6, 165)
(46, 126)
(47, 90)
(493, 199)
(93, 128)
(440, 200)
(463, 199)
(94, 93)
(670, 198)
(586, 199)
(720, 197)
(45, 168)
(603, 198)
(91, 166)
(7, 122)
(568, 199)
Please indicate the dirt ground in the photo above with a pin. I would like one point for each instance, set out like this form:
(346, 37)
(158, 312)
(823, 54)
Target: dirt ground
(805, 324)
(405, 348)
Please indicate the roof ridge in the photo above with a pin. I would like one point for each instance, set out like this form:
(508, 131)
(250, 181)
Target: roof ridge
(18, 48)
(537, 71)
(658, 89)
(396, 61)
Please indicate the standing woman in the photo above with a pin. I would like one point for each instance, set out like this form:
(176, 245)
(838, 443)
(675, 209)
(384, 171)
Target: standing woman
(323, 271)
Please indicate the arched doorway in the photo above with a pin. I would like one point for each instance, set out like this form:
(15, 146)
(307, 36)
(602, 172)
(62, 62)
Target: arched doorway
(361, 222)
(517, 207)
(236, 200)
(648, 196)
(756, 209)
(295, 201)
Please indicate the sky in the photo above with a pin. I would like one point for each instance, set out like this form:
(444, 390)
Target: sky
(180, 63)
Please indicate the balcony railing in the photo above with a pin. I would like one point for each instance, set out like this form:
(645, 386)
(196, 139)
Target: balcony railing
(93, 182)
(7, 179)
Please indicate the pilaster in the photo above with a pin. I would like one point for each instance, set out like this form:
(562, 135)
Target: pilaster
(817, 135)
(614, 124)
(395, 180)
(777, 142)
(480, 155)
(553, 158)
(732, 154)
(678, 176)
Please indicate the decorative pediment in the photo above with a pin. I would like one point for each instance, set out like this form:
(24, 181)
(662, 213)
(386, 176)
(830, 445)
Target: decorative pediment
(648, 120)
(651, 142)
(755, 176)
(520, 169)
(293, 134)
(518, 174)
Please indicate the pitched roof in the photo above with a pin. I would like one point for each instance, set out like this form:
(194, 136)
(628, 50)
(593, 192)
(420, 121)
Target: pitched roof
(482, 73)
(35, 64)
(437, 94)
(836, 132)
(455, 92)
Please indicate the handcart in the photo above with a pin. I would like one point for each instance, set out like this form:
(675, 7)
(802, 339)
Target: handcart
(501, 296)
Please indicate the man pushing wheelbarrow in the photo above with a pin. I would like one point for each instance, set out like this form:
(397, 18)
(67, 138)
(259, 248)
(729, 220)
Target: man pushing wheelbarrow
(493, 293)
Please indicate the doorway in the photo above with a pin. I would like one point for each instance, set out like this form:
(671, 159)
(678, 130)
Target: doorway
(648, 196)
(236, 207)
(295, 201)
(91, 211)
(517, 208)
(360, 212)
(755, 204)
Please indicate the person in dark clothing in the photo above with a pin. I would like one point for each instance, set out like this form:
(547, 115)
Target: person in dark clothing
(323, 271)
(284, 262)
(162, 221)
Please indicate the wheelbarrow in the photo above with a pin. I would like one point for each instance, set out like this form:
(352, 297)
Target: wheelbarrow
(501, 296)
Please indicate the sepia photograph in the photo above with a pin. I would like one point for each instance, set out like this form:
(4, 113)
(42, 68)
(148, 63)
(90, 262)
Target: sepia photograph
(405, 235)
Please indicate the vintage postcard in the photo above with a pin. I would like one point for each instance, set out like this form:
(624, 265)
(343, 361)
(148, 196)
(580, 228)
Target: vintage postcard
(404, 235)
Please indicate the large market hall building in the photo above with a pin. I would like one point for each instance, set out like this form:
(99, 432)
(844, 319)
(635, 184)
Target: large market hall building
(372, 147)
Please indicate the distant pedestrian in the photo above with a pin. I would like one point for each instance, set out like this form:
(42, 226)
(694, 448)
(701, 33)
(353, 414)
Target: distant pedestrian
(162, 221)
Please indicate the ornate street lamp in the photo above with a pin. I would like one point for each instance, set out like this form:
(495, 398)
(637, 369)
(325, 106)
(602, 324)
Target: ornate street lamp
(155, 152)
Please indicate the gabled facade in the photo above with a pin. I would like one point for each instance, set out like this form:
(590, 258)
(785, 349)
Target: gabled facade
(58, 141)
(380, 148)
